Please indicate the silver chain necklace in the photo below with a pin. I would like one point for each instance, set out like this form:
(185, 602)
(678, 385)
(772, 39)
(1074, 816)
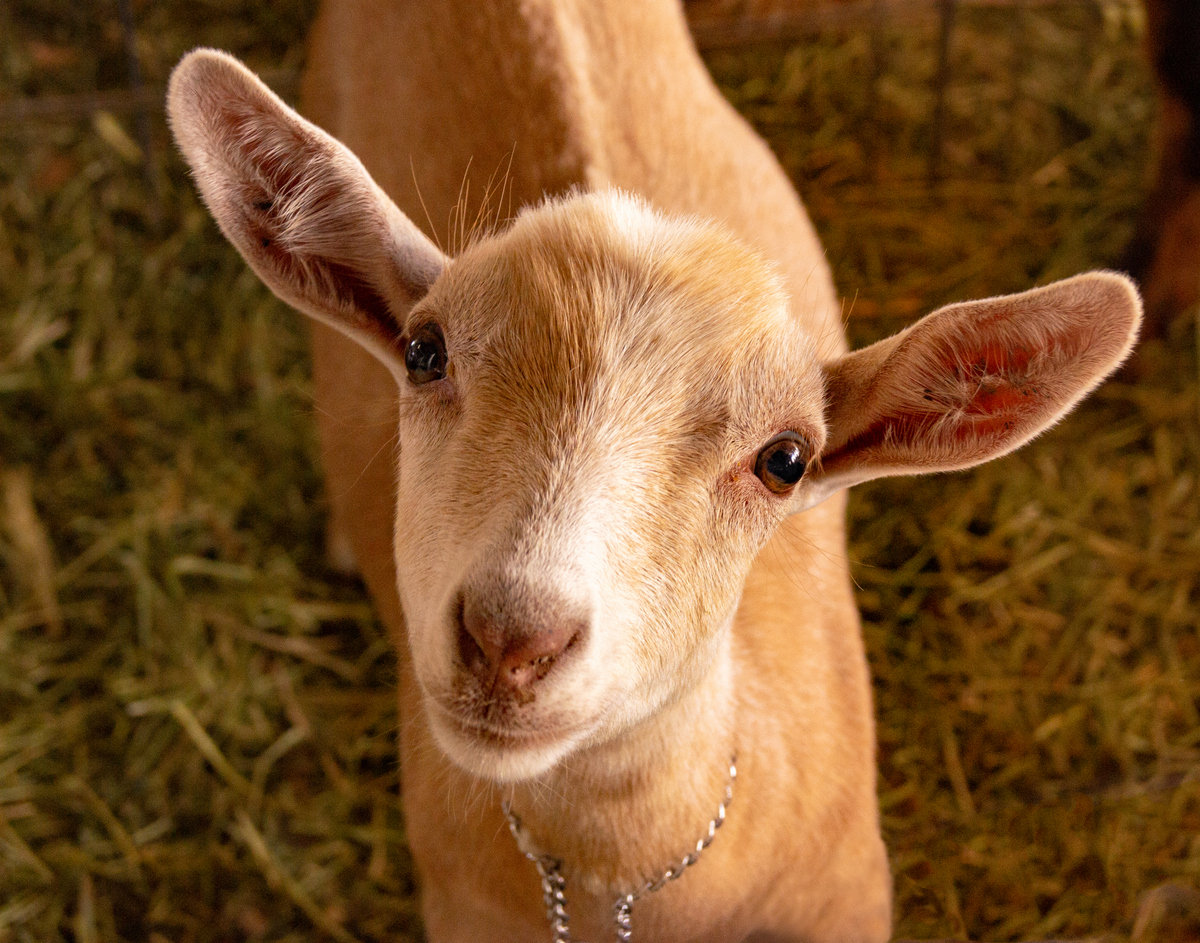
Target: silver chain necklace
(554, 884)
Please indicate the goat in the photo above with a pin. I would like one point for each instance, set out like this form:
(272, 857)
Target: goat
(1163, 253)
(610, 545)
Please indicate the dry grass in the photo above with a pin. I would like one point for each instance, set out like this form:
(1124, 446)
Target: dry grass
(196, 717)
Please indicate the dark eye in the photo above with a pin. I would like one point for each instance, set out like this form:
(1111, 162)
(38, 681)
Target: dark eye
(781, 463)
(425, 355)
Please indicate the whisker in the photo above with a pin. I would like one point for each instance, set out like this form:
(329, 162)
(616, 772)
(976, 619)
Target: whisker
(420, 196)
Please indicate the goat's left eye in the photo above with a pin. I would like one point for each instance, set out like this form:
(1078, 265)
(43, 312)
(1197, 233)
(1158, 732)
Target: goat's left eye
(781, 463)
(425, 355)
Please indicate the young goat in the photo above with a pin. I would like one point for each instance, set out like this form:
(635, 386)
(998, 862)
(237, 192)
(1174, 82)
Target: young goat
(618, 557)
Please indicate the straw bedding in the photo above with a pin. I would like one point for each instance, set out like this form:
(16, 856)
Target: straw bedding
(197, 721)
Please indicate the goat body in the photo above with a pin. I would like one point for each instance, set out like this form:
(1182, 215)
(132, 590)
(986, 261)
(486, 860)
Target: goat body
(1165, 251)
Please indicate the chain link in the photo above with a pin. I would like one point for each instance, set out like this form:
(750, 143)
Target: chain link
(554, 884)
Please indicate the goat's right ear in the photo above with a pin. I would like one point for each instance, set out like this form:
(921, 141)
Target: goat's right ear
(298, 205)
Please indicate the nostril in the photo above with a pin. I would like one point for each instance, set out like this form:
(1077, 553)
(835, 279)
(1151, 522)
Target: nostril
(473, 657)
(469, 651)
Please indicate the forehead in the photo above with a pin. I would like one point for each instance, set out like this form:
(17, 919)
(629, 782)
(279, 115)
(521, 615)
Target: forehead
(597, 303)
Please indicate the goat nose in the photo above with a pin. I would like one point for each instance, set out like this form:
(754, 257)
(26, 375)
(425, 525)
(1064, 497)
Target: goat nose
(512, 647)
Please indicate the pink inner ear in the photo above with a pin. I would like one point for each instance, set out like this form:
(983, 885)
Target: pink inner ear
(976, 393)
(993, 359)
(1001, 393)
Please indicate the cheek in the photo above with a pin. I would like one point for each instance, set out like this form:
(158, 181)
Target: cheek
(684, 568)
(426, 523)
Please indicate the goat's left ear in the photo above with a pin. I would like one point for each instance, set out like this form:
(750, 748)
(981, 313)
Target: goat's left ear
(970, 382)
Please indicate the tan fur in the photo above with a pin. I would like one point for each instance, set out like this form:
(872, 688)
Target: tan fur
(589, 458)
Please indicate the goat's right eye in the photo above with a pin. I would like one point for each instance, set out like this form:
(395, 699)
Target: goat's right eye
(425, 354)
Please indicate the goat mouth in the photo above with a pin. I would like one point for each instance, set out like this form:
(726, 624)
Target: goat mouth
(511, 737)
(504, 732)
(501, 752)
